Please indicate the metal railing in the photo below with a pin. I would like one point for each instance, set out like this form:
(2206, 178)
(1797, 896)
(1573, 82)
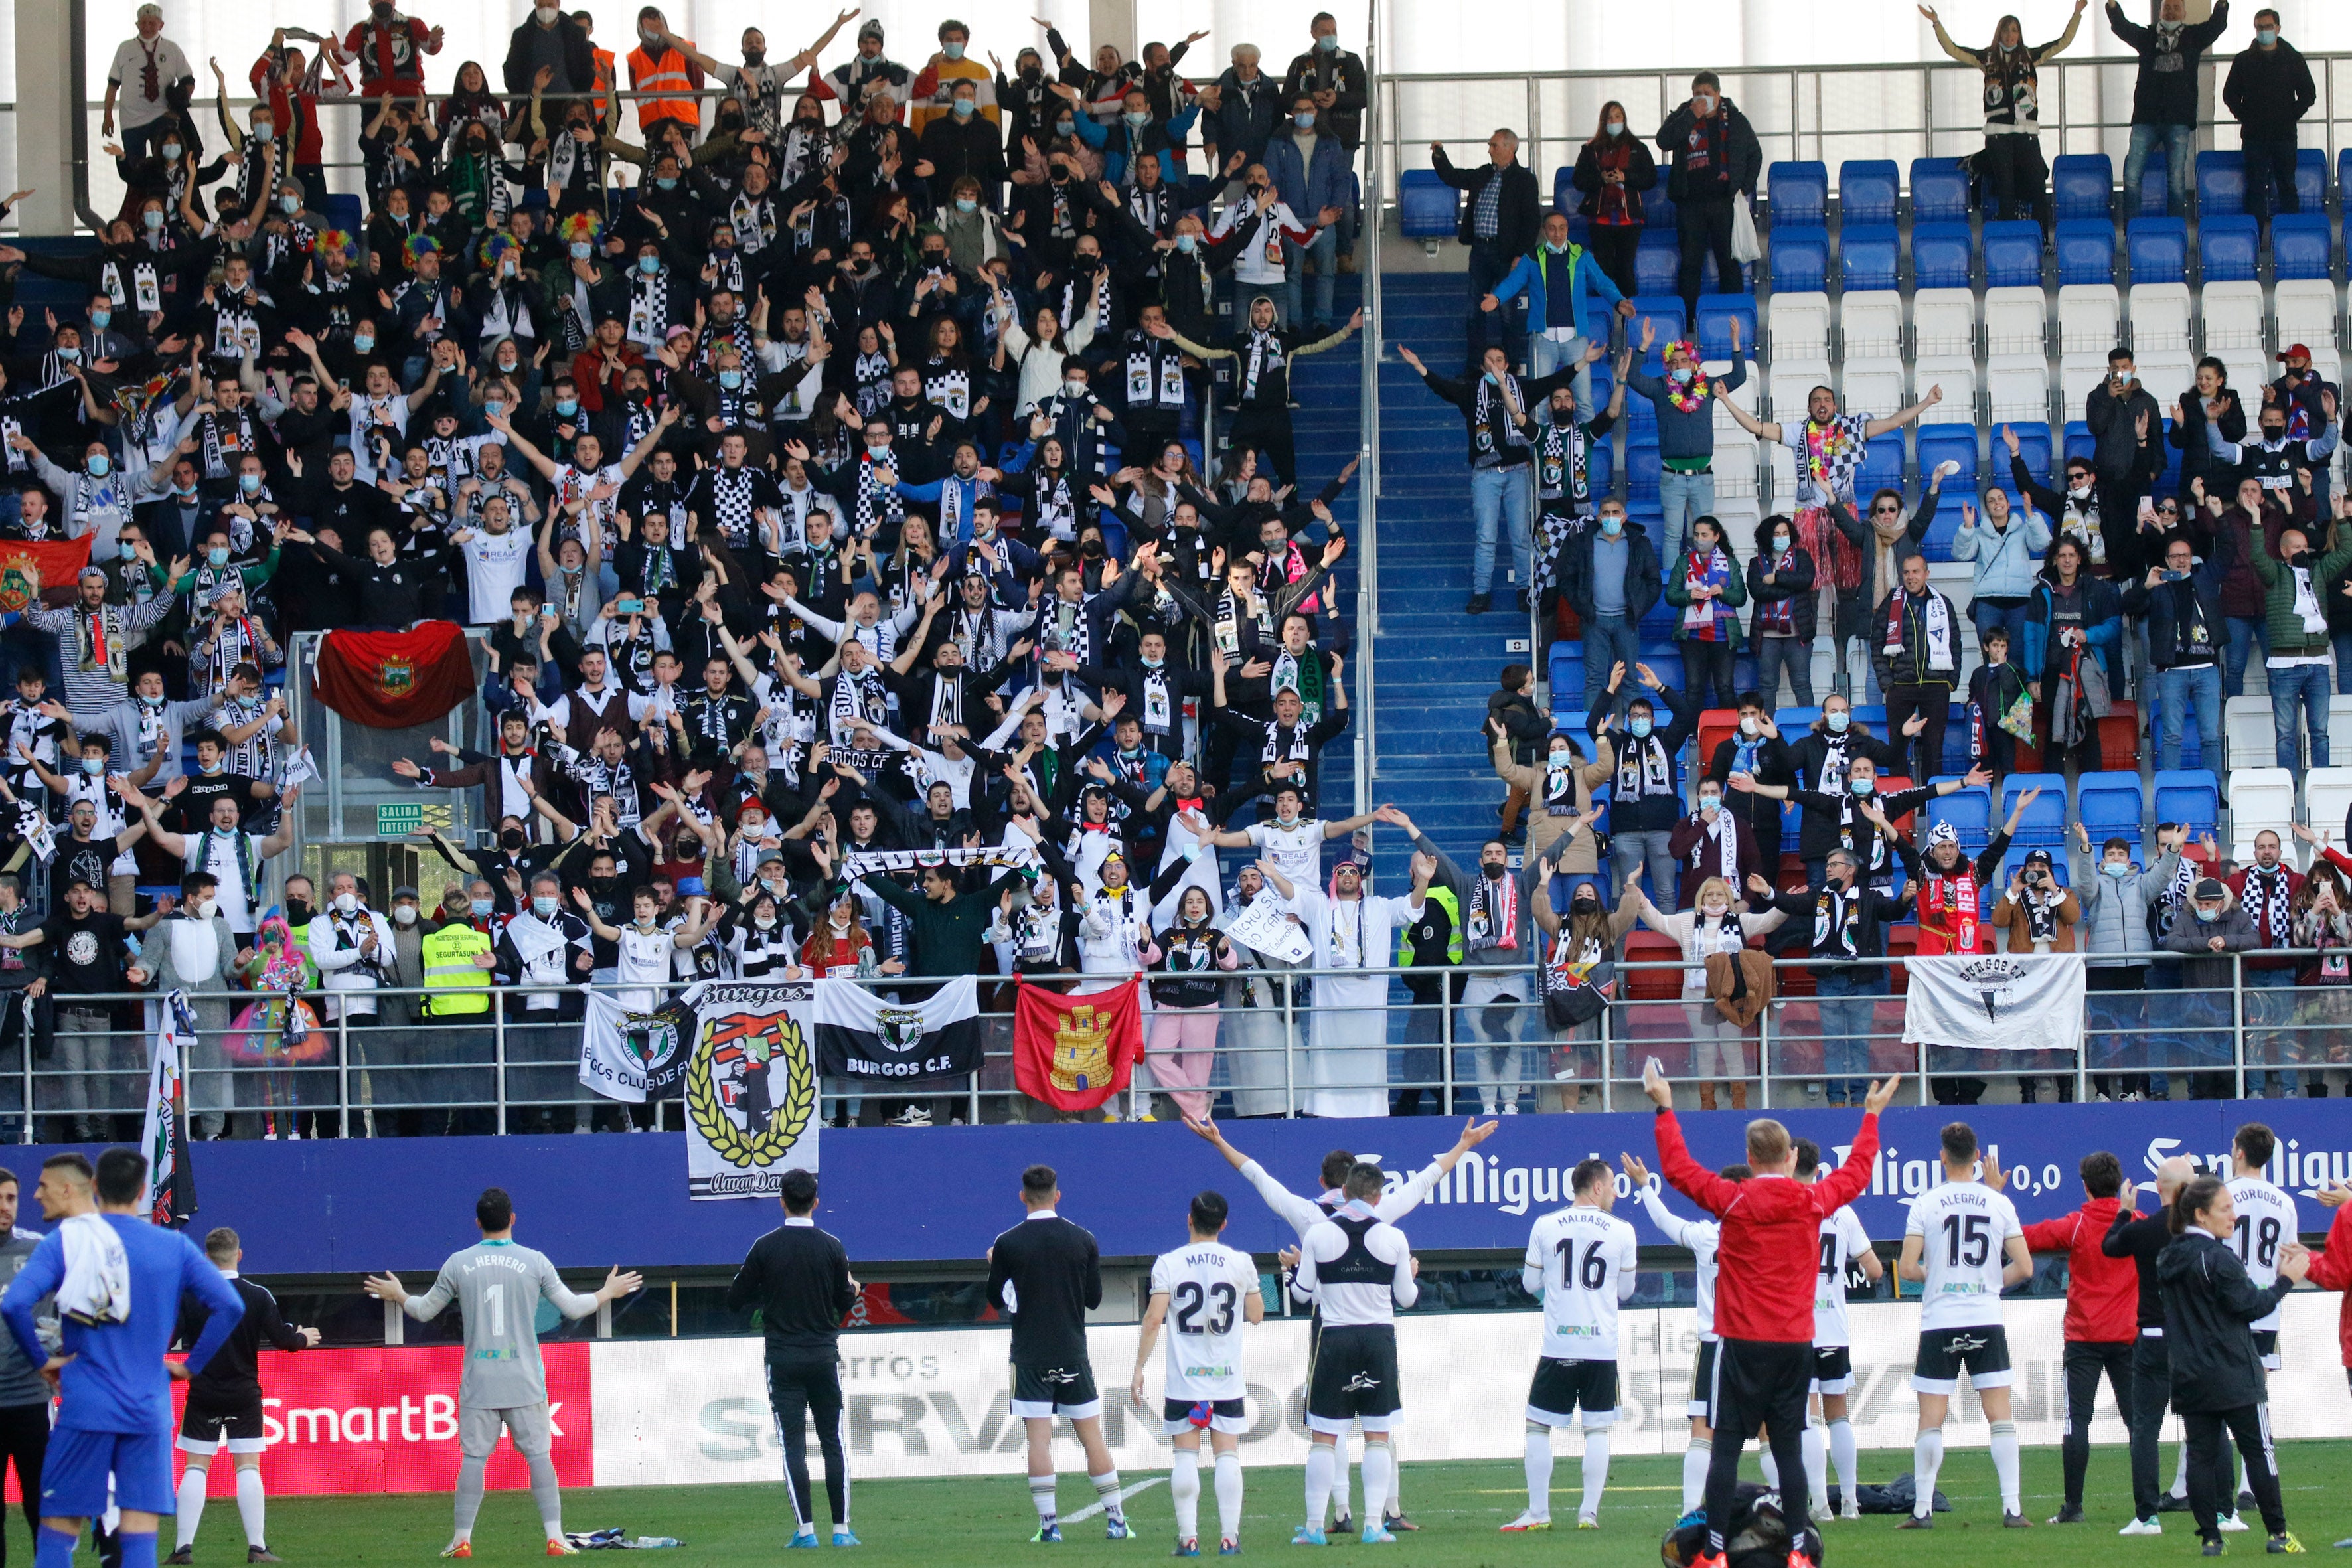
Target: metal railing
(1900, 110)
(1367, 414)
(1282, 1050)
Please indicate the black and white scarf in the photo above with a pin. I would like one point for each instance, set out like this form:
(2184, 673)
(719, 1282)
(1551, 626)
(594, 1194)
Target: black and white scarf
(870, 382)
(858, 699)
(1561, 466)
(1155, 375)
(1263, 358)
(648, 307)
(1725, 831)
(877, 503)
(2267, 898)
(729, 265)
(1284, 743)
(1494, 916)
(1491, 430)
(731, 504)
(226, 437)
(1097, 307)
(1055, 503)
(1065, 627)
(1644, 768)
(142, 290)
(1837, 918)
(753, 219)
(948, 385)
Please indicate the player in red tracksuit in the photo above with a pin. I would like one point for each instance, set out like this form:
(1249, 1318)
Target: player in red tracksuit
(2102, 1314)
(1768, 1262)
(2332, 1270)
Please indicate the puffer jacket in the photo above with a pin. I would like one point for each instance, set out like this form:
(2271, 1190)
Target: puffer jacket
(1543, 828)
(2114, 909)
(2007, 558)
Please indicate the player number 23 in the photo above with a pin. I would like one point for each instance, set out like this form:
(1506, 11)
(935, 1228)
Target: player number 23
(1191, 1298)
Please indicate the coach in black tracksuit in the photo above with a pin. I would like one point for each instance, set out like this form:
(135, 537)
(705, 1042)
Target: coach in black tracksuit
(2141, 1238)
(224, 1406)
(798, 1276)
(2210, 1309)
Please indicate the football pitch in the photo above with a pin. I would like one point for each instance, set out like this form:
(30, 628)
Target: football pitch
(939, 1523)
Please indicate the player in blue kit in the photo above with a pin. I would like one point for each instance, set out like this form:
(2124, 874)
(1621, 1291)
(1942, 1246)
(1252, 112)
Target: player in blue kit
(118, 1280)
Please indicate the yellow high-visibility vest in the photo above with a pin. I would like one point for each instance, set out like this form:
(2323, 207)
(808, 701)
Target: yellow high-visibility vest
(449, 954)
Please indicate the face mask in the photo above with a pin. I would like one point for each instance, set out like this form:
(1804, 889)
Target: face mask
(1680, 375)
(69, 356)
(262, 133)
(567, 407)
(649, 265)
(404, 914)
(665, 182)
(217, 556)
(1073, 388)
(2207, 917)
(93, 766)
(1862, 786)
(1610, 527)
(289, 205)
(1304, 121)
(345, 904)
(1715, 909)
(543, 905)
(1558, 250)
(1838, 722)
(730, 379)
(511, 838)
(364, 342)
(1328, 43)
(1640, 725)
(171, 151)
(878, 450)
(2266, 36)
(204, 909)
(153, 218)
(1185, 243)
(1705, 104)
(2117, 867)
(581, 250)
(97, 320)
(1064, 128)
(481, 908)
(1780, 542)
(127, 551)
(98, 466)
(1583, 903)
(1616, 128)
(1710, 804)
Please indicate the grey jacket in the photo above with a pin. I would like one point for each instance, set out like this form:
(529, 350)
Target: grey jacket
(2201, 969)
(1461, 884)
(20, 1380)
(2115, 909)
(155, 956)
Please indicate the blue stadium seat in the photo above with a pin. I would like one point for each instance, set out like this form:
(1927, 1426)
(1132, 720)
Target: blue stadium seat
(2189, 796)
(2311, 179)
(1601, 462)
(1954, 443)
(1425, 205)
(1800, 259)
(1658, 262)
(1958, 757)
(2044, 821)
(2108, 806)
(2192, 744)
(1935, 546)
(2158, 250)
(1564, 194)
(1871, 717)
(1942, 254)
(1939, 191)
(2221, 185)
(344, 212)
(2343, 172)
(2012, 253)
(2154, 196)
(2032, 448)
(2170, 480)
(1969, 811)
(1665, 312)
(1798, 194)
(1869, 257)
(1793, 820)
(1642, 464)
(1881, 468)
(1866, 190)
(2087, 250)
(2299, 245)
(2083, 185)
(1658, 209)
(2228, 248)
(1716, 314)
(2077, 440)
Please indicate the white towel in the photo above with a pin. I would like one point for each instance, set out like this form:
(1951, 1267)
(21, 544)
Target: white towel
(97, 1285)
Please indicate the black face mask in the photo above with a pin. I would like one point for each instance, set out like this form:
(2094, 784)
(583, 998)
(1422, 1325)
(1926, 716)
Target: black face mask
(2301, 560)
(1090, 547)
(755, 58)
(1032, 75)
(2274, 432)
(601, 886)
(1584, 905)
(297, 913)
(511, 838)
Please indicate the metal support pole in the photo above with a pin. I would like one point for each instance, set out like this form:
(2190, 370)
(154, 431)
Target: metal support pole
(2238, 1020)
(1608, 1094)
(342, 1072)
(498, 1051)
(1764, 1077)
(27, 1138)
(1764, 1053)
(1289, 1056)
(1446, 1040)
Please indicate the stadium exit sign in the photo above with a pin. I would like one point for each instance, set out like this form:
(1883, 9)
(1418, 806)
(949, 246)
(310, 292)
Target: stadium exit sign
(399, 819)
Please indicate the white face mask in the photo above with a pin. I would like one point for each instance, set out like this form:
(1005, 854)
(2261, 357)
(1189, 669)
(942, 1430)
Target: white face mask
(203, 909)
(404, 914)
(1715, 909)
(346, 903)
(1750, 728)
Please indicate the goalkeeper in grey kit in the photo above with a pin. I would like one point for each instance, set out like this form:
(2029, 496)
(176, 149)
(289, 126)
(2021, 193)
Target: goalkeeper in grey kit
(497, 1287)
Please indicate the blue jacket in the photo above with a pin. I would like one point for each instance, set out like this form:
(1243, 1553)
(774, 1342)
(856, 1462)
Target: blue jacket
(1306, 190)
(2102, 626)
(2007, 559)
(1585, 275)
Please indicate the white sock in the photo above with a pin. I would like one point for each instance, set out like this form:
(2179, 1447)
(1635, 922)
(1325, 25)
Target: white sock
(1106, 1488)
(1596, 1469)
(1340, 1509)
(1539, 1464)
(1185, 1488)
(1380, 1467)
(1769, 1465)
(192, 1507)
(1320, 1459)
(1846, 1453)
(2180, 1487)
(2004, 1465)
(1926, 1458)
(1396, 1478)
(1041, 1496)
(1229, 1495)
(1817, 1468)
(1696, 1460)
(250, 1503)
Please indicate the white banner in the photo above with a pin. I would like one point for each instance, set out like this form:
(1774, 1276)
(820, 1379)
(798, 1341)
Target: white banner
(750, 1090)
(934, 1401)
(171, 1198)
(1995, 1001)
(1262, 926)
(635, 1056)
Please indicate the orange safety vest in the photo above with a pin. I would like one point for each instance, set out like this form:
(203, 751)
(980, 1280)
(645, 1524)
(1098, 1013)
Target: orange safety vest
(604, 81)
(672, 73)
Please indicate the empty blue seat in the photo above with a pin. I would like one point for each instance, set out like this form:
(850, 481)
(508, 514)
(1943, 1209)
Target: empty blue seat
(1958, 757)
(2299, 245)
(2227, 248)
(344, 212)
(1601, 459)
(2221, 185)
(2158, 250)
(1871, 717)
(1798, 194)
(2012, 253)
(1881, 468)
(2082, 184)
(2032, 450)
(1939, 191)
(2154, 197)
(1425, 205)
(1940, 254)
(1952, 443)
(1969, 811)
(1866, 190)
(1716, 314)
(2078, 442)
(2189, 795)
(2343, 172)
(1658, 209)
(1800, 259)
(2043, 822)
(2108, 806)
(2087, 250)
(1868, 257)
(1641, 465)
(1564, 194)
(2311, 179)
(1936, 545)
(1656, 266)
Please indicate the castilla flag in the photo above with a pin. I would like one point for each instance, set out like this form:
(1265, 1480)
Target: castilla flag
(57, 561)
(1076, 1051)
(391, 680)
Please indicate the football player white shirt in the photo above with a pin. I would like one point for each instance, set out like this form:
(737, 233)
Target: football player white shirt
(1700, 1237)
(2266, 1222)
(1964, 1226)
(1582, 1259)
(1208, 1286)
(1843, 1240)
(1296, 852)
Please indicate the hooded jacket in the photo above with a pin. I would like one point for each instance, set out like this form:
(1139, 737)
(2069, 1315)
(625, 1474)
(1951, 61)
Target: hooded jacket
(2209, 1307)
(2165, 92)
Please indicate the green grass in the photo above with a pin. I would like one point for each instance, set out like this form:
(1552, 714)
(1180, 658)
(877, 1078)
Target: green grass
(933, 1524)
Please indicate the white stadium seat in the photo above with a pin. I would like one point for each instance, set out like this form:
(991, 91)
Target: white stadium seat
(2260, 798)
(2232, 316)
(2166, 373)
(1872, 387)
(2306, 311)
(2327, 799)
(1944, 321)
(2247, 723)
(2090, 319)
(2017, 388)
(2160, 319)
(2339, 737)
(1729, 435)
(1799, 325)
(1869, 323)
(1958, 377)
(2077, 374)
(2017, 322)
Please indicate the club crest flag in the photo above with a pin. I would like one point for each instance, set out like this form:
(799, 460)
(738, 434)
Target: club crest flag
(1996, 1001)
(637, 1056)
(163, 1138)
(1076, 1051)
(861, 1034)
(56, 564)
(392, 681)
(750, 1090)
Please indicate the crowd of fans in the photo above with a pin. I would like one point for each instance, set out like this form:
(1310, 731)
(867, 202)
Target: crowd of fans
(889, 460)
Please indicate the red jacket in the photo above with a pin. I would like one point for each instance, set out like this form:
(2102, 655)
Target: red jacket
(2332, 1270)
(2102, 1292)
(1771, 1252)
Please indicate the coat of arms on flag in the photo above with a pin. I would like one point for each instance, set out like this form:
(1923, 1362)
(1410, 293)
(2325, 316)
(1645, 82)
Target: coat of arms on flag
(1075, 1051)
(750, 1090)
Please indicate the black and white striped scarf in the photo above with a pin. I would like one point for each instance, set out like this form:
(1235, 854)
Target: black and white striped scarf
(731, 504)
